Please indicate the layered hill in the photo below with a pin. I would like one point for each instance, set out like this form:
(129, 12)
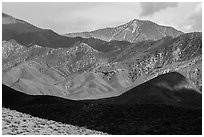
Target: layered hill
(82, 72)
(59, 72)
(133, 31)
(62, 72)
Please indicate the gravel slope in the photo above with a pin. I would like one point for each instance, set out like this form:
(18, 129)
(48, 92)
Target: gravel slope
(14, 122)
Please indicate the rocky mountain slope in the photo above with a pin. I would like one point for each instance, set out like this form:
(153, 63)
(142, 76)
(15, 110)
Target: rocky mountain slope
(133, 31)
(144, 60)
(82, 72)
(17, 123)
(38, 70)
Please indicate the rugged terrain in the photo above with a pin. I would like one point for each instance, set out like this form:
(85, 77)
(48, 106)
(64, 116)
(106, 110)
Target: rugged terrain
(81, 72)
(59, 72)
(149, 59)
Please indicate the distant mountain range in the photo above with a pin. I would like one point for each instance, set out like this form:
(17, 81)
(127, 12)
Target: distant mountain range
(27, 34)
(41, 62)
(133, 31)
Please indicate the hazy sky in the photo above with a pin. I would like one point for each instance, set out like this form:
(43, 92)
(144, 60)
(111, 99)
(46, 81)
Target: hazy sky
(78, 17)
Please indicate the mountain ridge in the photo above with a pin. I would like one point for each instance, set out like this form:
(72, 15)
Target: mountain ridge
(27, 34)
(136, 27)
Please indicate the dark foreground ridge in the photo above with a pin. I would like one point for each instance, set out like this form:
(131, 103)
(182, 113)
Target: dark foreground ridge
(121, 118)
(170, 89)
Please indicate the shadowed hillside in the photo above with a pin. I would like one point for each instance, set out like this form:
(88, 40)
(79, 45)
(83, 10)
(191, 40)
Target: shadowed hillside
(170, 89)
(141, 110)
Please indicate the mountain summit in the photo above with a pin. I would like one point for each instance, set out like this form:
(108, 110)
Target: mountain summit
(133, 31)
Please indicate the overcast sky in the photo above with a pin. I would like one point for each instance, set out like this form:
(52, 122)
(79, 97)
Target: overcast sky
(77, 17)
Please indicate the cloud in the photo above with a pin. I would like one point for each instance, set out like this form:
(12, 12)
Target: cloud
(194, 20)
(149, 8)
(76, 17)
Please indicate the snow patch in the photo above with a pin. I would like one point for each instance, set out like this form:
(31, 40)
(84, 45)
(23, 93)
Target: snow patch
(135, 25)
